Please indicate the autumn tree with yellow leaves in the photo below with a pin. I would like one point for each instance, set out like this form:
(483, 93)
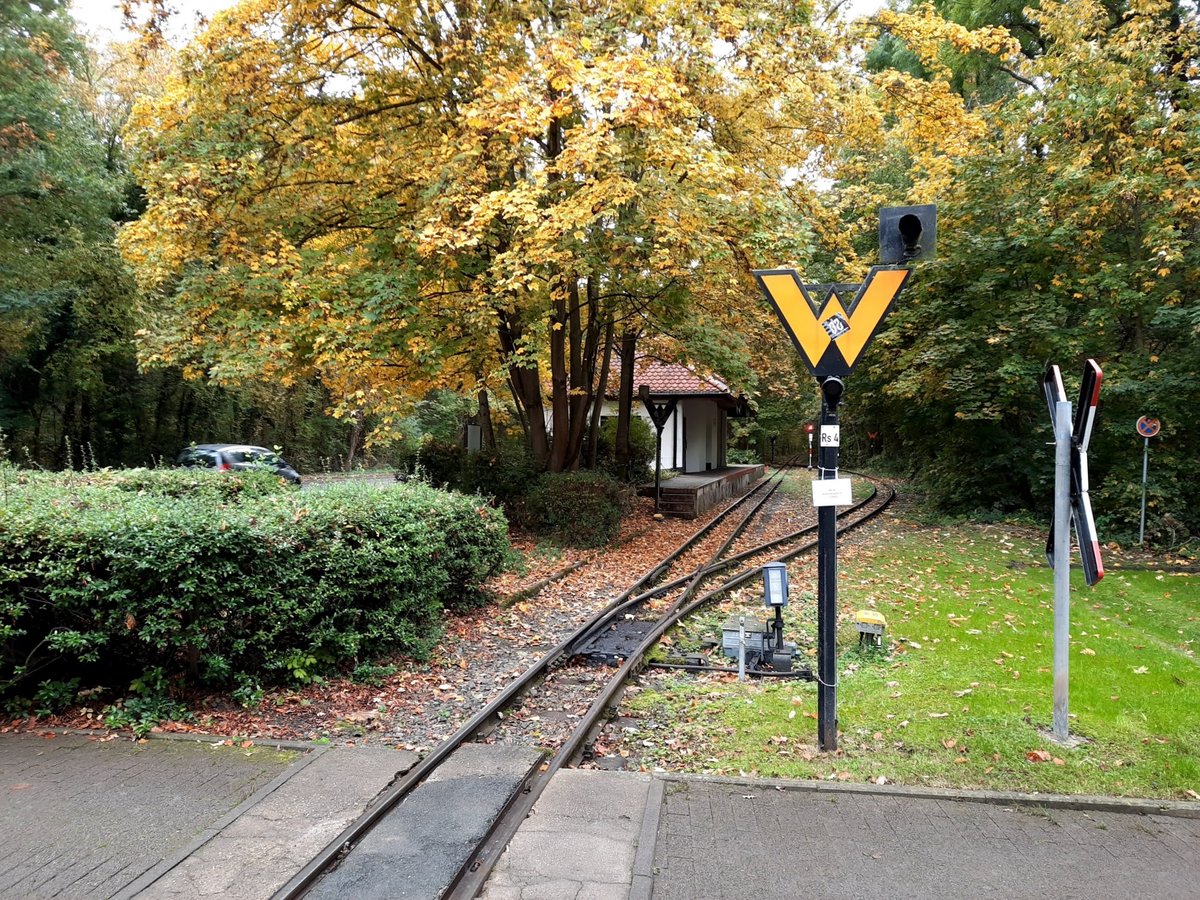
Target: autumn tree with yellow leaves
(410, 196)
(489, 197)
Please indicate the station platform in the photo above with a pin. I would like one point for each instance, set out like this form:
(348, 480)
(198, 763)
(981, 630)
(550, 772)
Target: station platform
(692, 494)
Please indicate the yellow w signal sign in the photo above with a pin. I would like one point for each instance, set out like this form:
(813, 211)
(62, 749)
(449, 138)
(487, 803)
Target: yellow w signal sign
(832, 338)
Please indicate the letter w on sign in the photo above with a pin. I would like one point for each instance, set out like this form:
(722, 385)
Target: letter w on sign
(831, 336)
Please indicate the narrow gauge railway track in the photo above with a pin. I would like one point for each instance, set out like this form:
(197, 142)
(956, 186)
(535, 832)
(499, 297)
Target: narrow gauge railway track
(661, 603)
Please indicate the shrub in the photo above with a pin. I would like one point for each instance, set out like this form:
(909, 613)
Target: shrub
(200, 484)
(641, 450)
(98, 578)
(739, 457)
(580, 509)
(506, 473)
(441, 462)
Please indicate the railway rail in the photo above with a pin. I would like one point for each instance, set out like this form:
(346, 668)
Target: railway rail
(675, 587)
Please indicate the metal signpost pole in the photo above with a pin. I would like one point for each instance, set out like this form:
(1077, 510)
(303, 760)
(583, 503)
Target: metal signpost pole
(660, 413)
(657, 464)
(1072, 507)
(1145, 469)
(827, 461)
(1147, 427)
(1062, 566)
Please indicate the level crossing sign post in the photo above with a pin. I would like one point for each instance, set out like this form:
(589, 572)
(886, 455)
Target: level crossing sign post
(1072, 506)
(831, 337)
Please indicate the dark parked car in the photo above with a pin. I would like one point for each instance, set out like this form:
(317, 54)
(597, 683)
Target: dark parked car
(225, 457)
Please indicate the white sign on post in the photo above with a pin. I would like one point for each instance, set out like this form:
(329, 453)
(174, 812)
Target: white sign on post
(831, 492)
(831, 435)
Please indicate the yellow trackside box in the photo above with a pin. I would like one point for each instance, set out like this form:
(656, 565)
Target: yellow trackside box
(870, 625)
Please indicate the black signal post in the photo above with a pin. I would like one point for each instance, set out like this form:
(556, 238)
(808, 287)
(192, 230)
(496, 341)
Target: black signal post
(831, 325)
(827, 460)
(660, 413)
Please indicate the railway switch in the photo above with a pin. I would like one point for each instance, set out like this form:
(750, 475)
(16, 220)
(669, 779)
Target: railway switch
(760, 645)
(764, 640)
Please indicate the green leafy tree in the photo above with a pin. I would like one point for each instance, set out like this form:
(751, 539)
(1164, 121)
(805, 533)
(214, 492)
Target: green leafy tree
(1069, 232)
(56, 192)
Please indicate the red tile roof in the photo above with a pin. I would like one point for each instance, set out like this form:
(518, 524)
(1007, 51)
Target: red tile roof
(673, 380)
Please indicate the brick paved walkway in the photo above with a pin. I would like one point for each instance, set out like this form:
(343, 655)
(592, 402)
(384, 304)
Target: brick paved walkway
(85, 818)
(732, 841)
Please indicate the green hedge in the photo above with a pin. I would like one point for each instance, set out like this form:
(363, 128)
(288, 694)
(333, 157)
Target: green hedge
(579, 509)
(216, 577)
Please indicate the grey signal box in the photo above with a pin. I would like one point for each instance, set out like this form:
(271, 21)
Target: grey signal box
(907, 234)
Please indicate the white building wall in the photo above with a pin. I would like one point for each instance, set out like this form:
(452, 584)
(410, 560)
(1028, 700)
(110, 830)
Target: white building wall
(699, 449)
(703, 440)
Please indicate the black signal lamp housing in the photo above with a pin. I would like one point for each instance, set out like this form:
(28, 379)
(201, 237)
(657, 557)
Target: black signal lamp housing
(832, 389)
(907, 234)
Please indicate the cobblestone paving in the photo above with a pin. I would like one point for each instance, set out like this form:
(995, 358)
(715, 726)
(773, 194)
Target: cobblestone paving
(736, 841)
(85, 818)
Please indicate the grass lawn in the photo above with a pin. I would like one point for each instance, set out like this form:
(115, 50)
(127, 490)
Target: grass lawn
(961, 693)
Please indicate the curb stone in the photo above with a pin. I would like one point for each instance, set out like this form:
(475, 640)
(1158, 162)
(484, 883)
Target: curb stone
(264, 743)
(642, 884)
(1082, 802)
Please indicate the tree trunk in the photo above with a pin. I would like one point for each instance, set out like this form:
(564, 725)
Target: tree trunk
(598, 400)
(559, 400)
(487, 436)
(162, 395)
(356, 434)
(522, 418)
(526, 389)
(625, 400)
(584, 345)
